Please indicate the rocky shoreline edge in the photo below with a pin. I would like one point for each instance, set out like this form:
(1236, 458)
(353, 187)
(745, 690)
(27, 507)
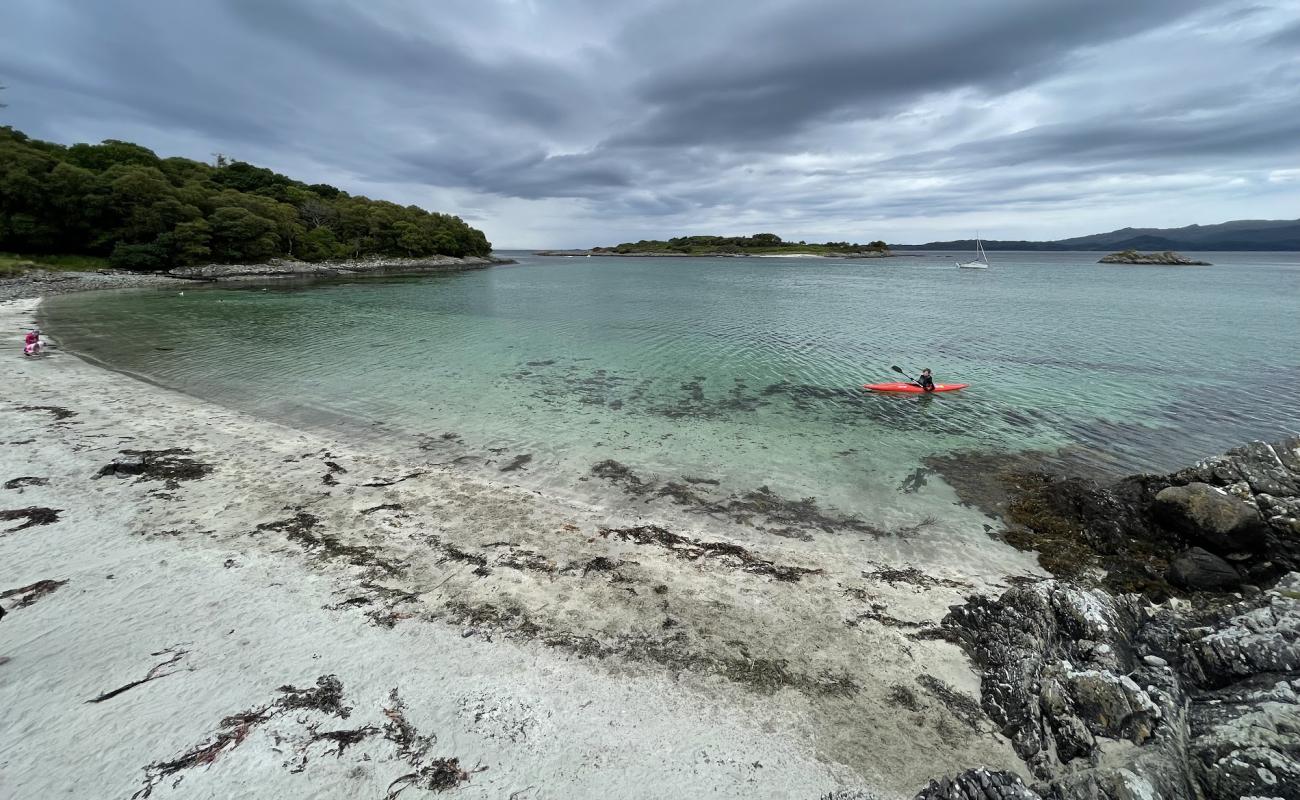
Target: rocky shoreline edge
(39, 283)
(1168, 666)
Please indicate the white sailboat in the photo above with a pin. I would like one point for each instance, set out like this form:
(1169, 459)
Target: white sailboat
(981, 260)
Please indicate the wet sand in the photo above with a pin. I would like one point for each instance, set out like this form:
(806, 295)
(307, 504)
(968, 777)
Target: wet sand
(552, 648)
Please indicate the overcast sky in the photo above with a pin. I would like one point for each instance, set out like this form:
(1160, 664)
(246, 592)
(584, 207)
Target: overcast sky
(585, 122)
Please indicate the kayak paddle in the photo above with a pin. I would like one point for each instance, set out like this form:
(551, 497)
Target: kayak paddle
(899, 370)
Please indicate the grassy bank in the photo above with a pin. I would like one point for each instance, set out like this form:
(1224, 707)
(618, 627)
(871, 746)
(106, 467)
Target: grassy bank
(13, 265)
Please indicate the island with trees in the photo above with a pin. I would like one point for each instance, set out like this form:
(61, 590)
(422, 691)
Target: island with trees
(760, 244)
(118, 204)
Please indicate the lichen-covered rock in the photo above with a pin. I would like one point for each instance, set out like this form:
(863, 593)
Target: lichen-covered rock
(1262, 640)
(1112, 705)
(1262, 467)
(978, 784)
(1208, 697)
(1049, 653)
(1210, 516)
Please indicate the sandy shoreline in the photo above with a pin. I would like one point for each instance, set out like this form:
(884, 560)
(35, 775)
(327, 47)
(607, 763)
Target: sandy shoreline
(571, 651)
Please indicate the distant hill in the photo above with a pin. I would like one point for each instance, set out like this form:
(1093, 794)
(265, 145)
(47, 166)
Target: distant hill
(1245, 234)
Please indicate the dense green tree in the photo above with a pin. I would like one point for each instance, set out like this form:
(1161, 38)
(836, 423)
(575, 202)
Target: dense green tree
(191, 242)
(240, 235)
(120, 200)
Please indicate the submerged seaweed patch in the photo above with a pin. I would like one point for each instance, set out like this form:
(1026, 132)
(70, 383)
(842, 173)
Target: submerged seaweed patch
(519, 462)
(763, 675)
(742, 508)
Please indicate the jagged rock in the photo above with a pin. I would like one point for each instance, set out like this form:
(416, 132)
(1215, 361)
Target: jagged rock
(1263, 639)
(1206, 692)
(1112, 705)
(1208, 697)
(1210, 516)
(1200, 570)
(1144, 782)
(1032, 645)
(1261, 466)
(978, 784)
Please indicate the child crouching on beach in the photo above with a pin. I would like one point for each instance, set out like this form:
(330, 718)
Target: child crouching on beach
(32, 345)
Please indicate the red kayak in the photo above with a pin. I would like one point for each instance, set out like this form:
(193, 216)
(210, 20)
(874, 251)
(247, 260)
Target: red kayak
(912, 388)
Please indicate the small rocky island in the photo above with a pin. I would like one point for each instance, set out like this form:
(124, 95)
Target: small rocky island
(760, 244)
(1167, 258)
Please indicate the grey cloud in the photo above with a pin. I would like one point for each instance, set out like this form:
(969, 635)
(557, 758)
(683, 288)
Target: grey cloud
(1288, 37)
(847, 57)
(674, 114)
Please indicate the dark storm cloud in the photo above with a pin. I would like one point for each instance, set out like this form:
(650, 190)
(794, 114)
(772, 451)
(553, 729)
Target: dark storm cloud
(659, 116)
(429, 61)
(820, 59)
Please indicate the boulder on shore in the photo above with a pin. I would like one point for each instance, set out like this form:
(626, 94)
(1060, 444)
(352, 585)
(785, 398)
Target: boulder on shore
(1211, 516)
(1199, 570)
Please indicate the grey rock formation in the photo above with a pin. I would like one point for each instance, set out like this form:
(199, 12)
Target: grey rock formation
(1207, 700)
(1211, 516)
(978, 784)
(1198, 570)
(1107, 696)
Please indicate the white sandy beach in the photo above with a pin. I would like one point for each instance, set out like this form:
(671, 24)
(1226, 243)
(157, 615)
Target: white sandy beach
(555, 649)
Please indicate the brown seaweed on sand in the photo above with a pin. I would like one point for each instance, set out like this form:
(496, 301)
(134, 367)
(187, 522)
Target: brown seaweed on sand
(695, 549)
(158, 671)
(32, 592)
(35, 515)
(171, 466)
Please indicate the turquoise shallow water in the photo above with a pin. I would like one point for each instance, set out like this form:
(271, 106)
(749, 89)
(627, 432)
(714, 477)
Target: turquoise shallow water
(742, 371)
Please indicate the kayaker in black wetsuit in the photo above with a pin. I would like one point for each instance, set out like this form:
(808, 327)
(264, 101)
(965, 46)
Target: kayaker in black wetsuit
(927, 381)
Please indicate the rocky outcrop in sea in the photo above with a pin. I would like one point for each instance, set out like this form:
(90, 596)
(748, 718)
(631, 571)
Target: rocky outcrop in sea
(43, 283)
(282, 268)
(1168, 257)
(1186, 687)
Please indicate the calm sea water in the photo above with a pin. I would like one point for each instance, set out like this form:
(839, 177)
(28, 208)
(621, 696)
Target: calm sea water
(748, 371)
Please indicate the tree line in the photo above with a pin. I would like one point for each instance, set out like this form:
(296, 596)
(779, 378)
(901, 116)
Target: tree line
(120, 200)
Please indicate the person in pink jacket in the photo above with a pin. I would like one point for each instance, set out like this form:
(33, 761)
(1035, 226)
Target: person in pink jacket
(33, 345)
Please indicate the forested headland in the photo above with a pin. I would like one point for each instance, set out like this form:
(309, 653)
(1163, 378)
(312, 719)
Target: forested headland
(121, 201)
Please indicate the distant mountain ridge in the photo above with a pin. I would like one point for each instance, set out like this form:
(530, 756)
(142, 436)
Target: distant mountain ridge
(1244, 234)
